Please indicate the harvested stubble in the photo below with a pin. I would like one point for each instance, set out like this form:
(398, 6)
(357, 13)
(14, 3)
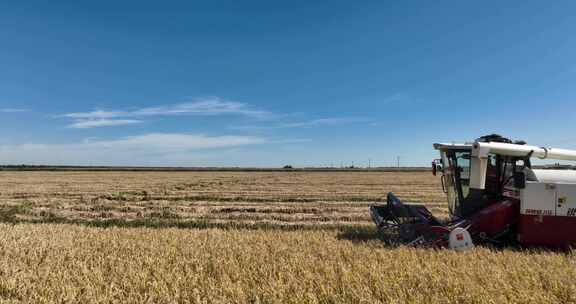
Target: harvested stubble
(283, 198)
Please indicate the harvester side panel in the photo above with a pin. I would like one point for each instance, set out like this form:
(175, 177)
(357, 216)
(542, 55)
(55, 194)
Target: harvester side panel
(496, 219)
(548, 215)
(538, 199)
(549, 231)
(566, 200)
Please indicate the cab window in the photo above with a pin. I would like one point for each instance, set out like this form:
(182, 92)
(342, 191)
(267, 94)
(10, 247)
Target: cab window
(462, 173)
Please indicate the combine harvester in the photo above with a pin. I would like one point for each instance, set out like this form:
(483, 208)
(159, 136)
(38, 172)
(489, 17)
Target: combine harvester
(494, 197)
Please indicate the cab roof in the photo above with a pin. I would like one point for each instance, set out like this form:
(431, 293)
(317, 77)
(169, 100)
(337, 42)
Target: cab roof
(453, 146)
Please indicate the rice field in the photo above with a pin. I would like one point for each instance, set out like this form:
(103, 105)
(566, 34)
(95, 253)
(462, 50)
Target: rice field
(252, 237)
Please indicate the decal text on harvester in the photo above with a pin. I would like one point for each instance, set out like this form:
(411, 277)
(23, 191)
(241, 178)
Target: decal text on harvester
(537, 212)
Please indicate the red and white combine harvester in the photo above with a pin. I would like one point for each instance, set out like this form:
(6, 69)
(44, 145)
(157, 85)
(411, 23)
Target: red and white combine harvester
(494, 196)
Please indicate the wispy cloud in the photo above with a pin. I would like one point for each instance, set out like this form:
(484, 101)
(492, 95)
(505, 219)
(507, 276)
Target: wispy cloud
(98, 114)
(139, 149)
(398, 98)
(321, 122)
(213, 106)
(13, 110)
(96, 123)
(333, 121)
(206, 106)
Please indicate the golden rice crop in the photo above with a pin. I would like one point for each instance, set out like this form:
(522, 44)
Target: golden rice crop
(73, 264)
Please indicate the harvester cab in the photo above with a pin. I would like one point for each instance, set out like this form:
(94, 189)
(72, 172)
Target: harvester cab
(494, 196)
(493, 170)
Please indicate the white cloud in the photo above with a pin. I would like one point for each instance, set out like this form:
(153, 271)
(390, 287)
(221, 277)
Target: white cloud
(211, 106)
(207, 106)
(307, 124)
(321, 122)
(95, 123)
(398, 98)
(95, 115)
(13, 110)
(133, 150)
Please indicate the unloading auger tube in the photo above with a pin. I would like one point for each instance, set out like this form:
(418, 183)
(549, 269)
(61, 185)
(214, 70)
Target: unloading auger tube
(494, 196)
(481, 152)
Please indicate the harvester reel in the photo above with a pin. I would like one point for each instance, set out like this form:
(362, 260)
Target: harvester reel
(390, 232)
(403, 224)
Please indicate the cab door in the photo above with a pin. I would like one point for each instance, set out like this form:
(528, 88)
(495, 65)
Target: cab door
(456, 178)
(448, 182)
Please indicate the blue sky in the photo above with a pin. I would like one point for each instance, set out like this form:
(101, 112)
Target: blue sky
(268, 83)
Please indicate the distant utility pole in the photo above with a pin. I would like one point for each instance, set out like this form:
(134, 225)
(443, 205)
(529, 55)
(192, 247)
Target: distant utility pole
(369, 163)
(398, 161)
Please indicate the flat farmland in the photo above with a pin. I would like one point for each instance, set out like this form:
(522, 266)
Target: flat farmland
(210, 198)
(244, 237)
